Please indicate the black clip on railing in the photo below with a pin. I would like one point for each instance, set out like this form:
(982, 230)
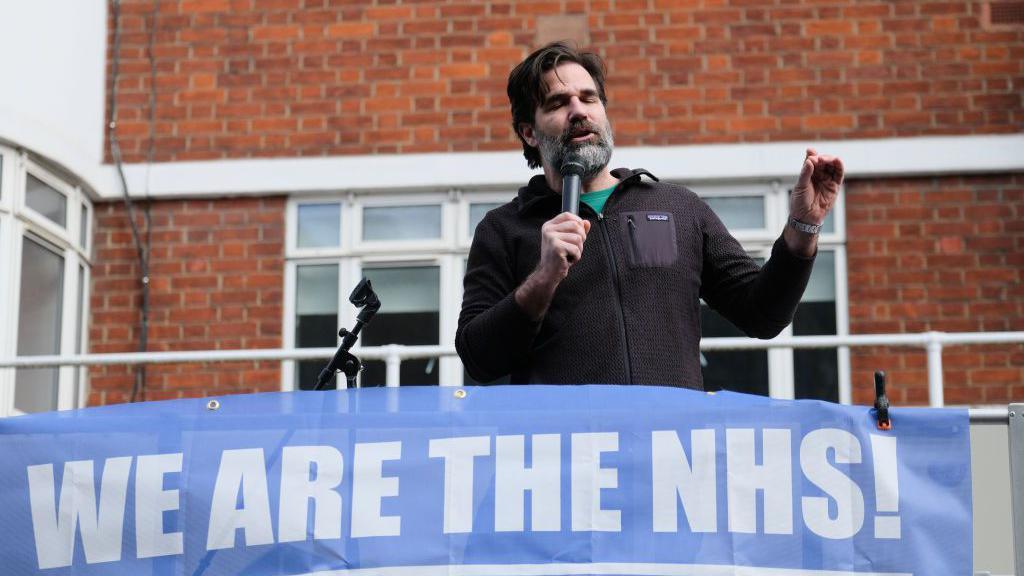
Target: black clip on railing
(881, 402)
(363, 297)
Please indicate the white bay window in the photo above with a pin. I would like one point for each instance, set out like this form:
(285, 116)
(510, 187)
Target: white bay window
(45, 230)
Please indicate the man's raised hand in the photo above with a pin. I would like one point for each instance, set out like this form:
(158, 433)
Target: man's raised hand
(817, 188)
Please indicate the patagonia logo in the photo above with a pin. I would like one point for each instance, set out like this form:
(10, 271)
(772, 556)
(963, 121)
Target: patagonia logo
(658, 217)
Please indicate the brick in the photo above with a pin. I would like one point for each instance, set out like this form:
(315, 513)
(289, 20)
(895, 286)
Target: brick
(829, 122)
(351, 30)
(1004, 376)
(389, 13)
(453, 71)
(200, 6)
(260, 33)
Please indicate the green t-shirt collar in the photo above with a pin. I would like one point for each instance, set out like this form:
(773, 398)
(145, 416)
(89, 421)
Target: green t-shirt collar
(597, 198)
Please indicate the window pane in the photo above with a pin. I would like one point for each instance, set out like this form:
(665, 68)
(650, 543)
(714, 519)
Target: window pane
(829, 225)
(79, 321)
(736, 370)
(81, 309)
(45, 200)
(83, 229)
(476, 214)
(822, 285)
(816, 371)
(406, 290)
(739, 212)
(319, 225)
(39, 318)
(316, 316)
(401, 222)
(316, 289)
(816, 374)
(409, 314)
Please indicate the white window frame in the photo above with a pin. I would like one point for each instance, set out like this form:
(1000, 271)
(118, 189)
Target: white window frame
(292, 236)
(352, 254)
(765, 190)
(291, 293)
(18, 221)
(416, 246)
(448, 317)
(350, 272)
(29, 213)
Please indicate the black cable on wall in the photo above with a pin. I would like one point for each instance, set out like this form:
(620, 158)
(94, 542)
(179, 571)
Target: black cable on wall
(142, 246)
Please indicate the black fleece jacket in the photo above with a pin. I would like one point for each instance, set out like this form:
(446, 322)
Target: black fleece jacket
(629, 310)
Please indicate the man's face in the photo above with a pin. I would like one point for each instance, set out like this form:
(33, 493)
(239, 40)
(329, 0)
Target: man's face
(571, 123)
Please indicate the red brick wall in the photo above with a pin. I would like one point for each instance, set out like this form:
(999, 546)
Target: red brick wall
(217, 272)
(240, 78)
(938, 254)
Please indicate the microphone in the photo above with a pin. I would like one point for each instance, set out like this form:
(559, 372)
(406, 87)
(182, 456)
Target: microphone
(572, 172)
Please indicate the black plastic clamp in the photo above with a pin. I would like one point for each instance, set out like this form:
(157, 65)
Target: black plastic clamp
(881, 402)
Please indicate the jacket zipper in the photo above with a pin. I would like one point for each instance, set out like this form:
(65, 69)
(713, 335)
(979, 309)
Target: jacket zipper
(632, 240)
(618, 292)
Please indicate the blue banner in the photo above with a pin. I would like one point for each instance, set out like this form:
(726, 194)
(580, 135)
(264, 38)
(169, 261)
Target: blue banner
(489, 481)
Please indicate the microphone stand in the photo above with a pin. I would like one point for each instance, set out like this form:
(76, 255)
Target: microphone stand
(364, 297)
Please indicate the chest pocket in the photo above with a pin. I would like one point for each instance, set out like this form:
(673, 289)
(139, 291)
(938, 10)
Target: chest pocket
(651, 239)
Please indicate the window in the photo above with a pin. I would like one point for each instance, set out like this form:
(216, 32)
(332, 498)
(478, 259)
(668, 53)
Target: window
(413, 248)
(316, 317)
(83, 307)
(739, 212)
(319, 225)
(46, 200)
(45, 229)
(40, 307)
(410, 314)
(390, 223)
(757, 220)
(816, 370)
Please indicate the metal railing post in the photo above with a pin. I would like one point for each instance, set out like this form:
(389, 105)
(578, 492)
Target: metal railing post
(1016, 441)
(393, 361)
(935, 391)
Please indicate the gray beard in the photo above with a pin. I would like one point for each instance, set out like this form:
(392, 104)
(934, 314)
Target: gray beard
(593, 156)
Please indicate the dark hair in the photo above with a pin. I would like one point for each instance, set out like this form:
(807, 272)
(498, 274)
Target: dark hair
(527, 90)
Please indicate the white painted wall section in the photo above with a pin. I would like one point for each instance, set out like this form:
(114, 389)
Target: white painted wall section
(53, 73)
(507, 170)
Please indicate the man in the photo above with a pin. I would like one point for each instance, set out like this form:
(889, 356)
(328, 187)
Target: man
(613, 295)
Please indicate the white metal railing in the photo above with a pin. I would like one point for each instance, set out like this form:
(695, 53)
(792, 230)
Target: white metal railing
(394, 354)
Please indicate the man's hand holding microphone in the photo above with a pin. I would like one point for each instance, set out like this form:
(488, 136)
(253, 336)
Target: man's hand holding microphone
(561, 246)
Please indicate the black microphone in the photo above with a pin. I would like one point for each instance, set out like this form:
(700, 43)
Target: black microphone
(572, 172)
